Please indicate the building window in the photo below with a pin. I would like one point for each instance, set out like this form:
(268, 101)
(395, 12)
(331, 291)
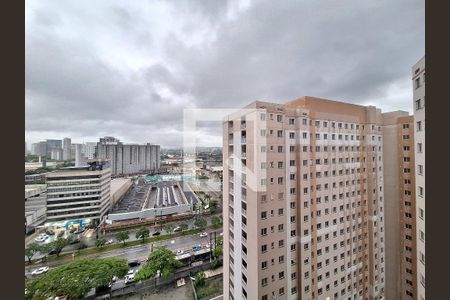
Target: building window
(419, 125)
(291, 121)
(420, 191)
(419, 147)
(417, 82)
(418, 104)
(279, 118)
(420, 169)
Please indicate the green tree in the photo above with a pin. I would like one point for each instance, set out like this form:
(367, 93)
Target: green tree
(200, 279)
(100, 243)
(200, 223)
(218, 251)
(219, 240)
(123, 236)
(213, 204)
(169, 228)
(216, 222)
(161, 259)
(142, 233)
(59, 244)
(76, 278)
(31, 250)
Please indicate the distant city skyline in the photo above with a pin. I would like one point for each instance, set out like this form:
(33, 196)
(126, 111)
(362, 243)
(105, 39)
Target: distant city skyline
(128, 69)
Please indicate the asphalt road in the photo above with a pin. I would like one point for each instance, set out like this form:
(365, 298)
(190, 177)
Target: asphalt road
(89, 237)
(141, 252)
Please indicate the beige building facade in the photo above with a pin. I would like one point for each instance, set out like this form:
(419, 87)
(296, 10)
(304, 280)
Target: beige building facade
(304, 201)
(400, 205)
(418, 78)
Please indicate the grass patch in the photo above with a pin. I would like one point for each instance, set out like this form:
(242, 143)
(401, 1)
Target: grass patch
(213, 287)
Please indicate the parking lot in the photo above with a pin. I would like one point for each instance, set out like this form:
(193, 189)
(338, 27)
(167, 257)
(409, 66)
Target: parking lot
(156, 194)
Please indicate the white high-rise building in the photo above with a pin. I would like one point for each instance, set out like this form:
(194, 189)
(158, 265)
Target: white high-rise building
(418, 79)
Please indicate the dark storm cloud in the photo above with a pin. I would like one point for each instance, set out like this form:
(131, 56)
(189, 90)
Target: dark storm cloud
(129, 69)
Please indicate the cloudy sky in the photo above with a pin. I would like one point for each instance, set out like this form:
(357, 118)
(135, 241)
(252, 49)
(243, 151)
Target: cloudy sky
(129, 68)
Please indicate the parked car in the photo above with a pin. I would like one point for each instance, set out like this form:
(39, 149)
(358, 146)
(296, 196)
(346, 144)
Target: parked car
(179, 252)
(109, 242)
(197, 247)
(176, 229)
(203, 234)
(156, 233)
(40, 271)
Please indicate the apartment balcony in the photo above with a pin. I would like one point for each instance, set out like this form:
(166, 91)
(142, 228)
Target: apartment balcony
(244, 212)
(244, 140)
(243, 126)
(244, 155)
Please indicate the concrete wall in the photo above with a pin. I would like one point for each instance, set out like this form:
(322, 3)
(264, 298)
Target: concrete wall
(150, 213)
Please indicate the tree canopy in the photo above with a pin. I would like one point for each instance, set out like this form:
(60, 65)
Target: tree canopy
(59, 244)
(200, 223)
(142, 233)
(77, 278)
(161, 259)
(31, 250)
(216, 221)
(123, 236)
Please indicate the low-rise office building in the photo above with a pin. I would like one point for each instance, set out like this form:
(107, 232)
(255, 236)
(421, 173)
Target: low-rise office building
(79, 193)
(35, 206)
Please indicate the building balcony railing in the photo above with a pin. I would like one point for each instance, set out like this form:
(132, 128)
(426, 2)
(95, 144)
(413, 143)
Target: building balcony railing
(244, 140)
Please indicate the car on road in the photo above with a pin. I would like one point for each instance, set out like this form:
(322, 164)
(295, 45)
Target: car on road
(40, 271)
(109, 242)
(203, 234)
(133, 264)
(42, 237)
(197, 247)
(179, 252)
(176, 229)
(156, 233)
(129, 277)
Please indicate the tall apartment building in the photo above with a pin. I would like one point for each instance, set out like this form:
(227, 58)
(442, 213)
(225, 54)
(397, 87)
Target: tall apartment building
(67, 145)
(400, 205)
(418, 78)
(56, 154)
(80, 158)
(52, 144)
(129, 158)
(78, 193)
(303, 201)
(39, 148)
(89, 150)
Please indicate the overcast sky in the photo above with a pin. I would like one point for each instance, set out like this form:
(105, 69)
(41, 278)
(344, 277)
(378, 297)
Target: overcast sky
(129, 68)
